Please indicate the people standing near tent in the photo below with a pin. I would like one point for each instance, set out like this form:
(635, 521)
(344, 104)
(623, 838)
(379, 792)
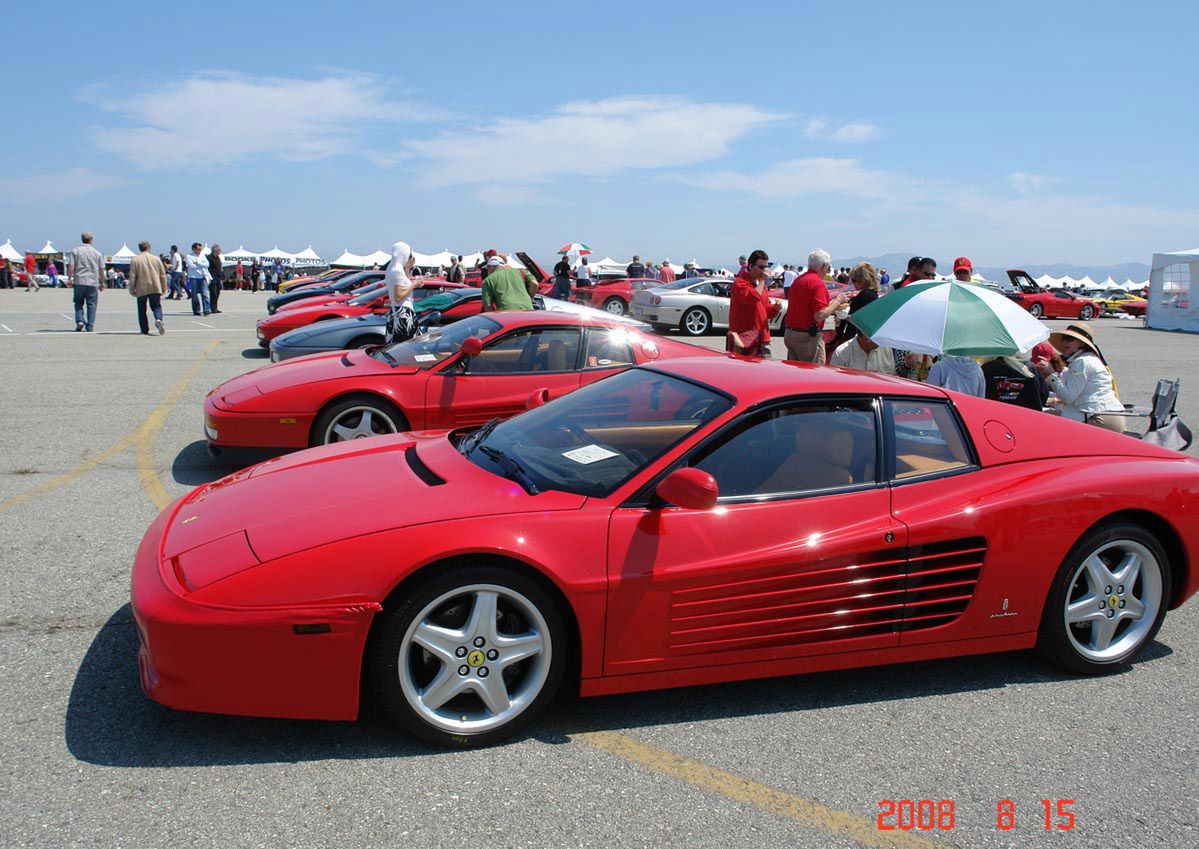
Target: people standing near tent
(87, 279)
(1083, 384)
(175, 275)
(255, 274)
(455, 274)
(6, 275)
(583, 273)
(196, 279)
(31, 273)
(276, 274)
(507, 288)
(148, 283)
(52, 273)
(751, 309)
(240, 279)
(666, 273)
(561, 289)
(808, 307)
(635, 268)
(216, 271)
(401, 319)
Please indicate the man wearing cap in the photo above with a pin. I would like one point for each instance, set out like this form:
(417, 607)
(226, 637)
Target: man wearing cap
(507, 288)
(666, 273)
(962, 269)
(488, 255)
(1084, 387)
(635, 268)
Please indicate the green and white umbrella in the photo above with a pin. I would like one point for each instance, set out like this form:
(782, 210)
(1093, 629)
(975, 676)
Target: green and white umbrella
(950, 317)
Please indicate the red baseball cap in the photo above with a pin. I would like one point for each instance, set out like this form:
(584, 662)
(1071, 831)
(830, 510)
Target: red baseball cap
(963, 262)
(489, 253)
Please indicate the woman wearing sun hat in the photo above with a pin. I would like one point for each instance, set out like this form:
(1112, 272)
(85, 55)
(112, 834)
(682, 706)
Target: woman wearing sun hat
(1084, 386)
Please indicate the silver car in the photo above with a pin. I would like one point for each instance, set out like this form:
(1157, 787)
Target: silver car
(695, 306)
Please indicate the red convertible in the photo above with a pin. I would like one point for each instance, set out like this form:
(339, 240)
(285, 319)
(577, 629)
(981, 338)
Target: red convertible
(463, 374)
(694, 521)
(1049, 303)
(613, 295)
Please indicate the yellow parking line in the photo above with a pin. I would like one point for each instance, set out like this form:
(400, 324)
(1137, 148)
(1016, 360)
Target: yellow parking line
(155, 420)
(147, 434)
(761, 796)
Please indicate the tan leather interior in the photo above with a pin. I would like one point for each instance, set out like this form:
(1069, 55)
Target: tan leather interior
(821, 459)
(556, 356)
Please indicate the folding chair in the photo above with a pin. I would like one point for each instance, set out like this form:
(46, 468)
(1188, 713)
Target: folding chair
(1165, 428)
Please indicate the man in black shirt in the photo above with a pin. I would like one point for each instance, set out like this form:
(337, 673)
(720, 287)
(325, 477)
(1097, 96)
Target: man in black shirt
(217, 271)
(635, 268)
(562, 280)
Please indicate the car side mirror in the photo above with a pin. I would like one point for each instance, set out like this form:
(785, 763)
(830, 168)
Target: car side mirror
(689, 488)
(539, 397)
(472, 346)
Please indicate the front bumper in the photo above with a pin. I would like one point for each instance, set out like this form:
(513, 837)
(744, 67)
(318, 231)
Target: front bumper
(244, 661)
(230, 429)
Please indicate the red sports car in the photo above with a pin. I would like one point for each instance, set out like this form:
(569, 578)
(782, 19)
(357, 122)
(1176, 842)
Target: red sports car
(613, 295)
(1049, 303)
(693, 521)
(370, 300)
(461, 374)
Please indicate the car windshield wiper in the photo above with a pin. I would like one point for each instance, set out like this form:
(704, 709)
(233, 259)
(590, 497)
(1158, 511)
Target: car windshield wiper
(472, 440)
(389, 357)
(511, 467)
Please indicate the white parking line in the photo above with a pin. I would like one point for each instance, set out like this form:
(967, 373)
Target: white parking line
(202, 324)
(6, 327)
(67, 317)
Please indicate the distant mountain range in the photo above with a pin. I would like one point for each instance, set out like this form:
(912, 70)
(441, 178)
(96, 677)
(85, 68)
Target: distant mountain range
(897, 263)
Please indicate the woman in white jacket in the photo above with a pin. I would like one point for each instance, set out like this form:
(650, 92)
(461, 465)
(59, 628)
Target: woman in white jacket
(1084, 387)
(401, 323)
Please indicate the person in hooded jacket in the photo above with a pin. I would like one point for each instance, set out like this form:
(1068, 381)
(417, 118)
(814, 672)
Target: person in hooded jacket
(401, 321)
(960, 374)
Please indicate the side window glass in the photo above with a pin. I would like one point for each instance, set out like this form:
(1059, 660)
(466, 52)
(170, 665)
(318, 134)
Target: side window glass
(927, 439)
(608, 349)
(795, 450)
(527, 352)
(704, 289)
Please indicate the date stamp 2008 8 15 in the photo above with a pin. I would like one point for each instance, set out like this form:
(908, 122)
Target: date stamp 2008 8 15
(941, 815)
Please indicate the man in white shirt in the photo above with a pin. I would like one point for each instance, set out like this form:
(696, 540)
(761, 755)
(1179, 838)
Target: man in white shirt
(583, 274)
(197, 279)
(87, 279)
(175, 274)
(789, 276)
(863, 354)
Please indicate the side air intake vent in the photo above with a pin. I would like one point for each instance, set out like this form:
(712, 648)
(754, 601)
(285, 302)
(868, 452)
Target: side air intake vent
(420, 469)
(941, 581)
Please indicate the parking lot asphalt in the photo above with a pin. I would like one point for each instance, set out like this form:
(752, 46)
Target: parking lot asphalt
(102, 428)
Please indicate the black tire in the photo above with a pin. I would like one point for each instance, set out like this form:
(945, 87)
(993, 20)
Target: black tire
(615, 306)
(695, 322)
(447, 598)
(1086, 313)
(1036, 310)
(1062, 643)
(390, 420)
(365, 342)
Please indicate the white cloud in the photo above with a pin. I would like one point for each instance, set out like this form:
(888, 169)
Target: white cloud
(218, 118)
(72, 183)
(800, 177)
(593, 138)
(850, 132)
(1028, 184)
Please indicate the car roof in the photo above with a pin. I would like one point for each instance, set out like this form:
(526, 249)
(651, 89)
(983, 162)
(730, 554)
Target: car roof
(529, 318)
(753, 381)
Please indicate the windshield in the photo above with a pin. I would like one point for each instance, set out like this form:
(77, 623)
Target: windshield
(681, 283)
(591, 441)
(438, 345)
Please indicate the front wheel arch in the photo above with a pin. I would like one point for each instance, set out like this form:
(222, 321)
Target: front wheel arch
(401, 420)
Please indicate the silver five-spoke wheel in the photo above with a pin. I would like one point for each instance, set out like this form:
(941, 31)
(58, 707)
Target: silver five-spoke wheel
(1108, 599)
(1114, 598)
(469, 655)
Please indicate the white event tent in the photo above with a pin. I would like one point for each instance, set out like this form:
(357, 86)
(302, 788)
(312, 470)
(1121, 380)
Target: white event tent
(240, 254)
(123, 256)
(7, 251)
(1171, 306)
(307, 257)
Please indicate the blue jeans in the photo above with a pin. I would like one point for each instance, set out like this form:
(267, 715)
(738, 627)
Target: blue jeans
(155, 302)
(176, 284)
(87, 296)
(198, 289)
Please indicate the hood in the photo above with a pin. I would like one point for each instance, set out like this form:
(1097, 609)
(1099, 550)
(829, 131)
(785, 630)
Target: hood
(323, 495)
(303, 335)
(531, 264)
(329, 365)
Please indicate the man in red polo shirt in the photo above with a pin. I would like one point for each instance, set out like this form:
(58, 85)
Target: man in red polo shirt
(808, 307)
(750, 309)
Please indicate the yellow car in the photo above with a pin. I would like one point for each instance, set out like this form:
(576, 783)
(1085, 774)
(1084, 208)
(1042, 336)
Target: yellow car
(1119, 302)
(296, 281)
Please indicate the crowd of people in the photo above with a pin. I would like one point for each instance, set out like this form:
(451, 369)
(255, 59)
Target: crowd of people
(1067, 373)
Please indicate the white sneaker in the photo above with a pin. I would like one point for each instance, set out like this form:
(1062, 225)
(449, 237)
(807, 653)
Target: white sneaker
(162, 331)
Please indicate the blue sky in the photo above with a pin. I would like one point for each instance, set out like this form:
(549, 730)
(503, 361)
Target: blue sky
(1018, 133)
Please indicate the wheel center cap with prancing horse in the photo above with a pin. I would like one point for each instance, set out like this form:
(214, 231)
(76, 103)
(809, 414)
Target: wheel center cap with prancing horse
(1113, 600)
(475, 658)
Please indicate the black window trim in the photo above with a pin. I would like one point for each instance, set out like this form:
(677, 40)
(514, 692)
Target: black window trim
(889, 430)
(645, 497)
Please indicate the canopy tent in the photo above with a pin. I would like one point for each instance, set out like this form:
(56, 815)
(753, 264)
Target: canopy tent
(240, 254)
(48, 249)
(275, 253)
(1131, 285)
(1047, 281)
(1109, 283)
(123, 256)
(379, 257)
(7, 251)
(471, 260)
(438, 260)
(1086, 282)
(349, 260)
(307, 257)
(1171, 306)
